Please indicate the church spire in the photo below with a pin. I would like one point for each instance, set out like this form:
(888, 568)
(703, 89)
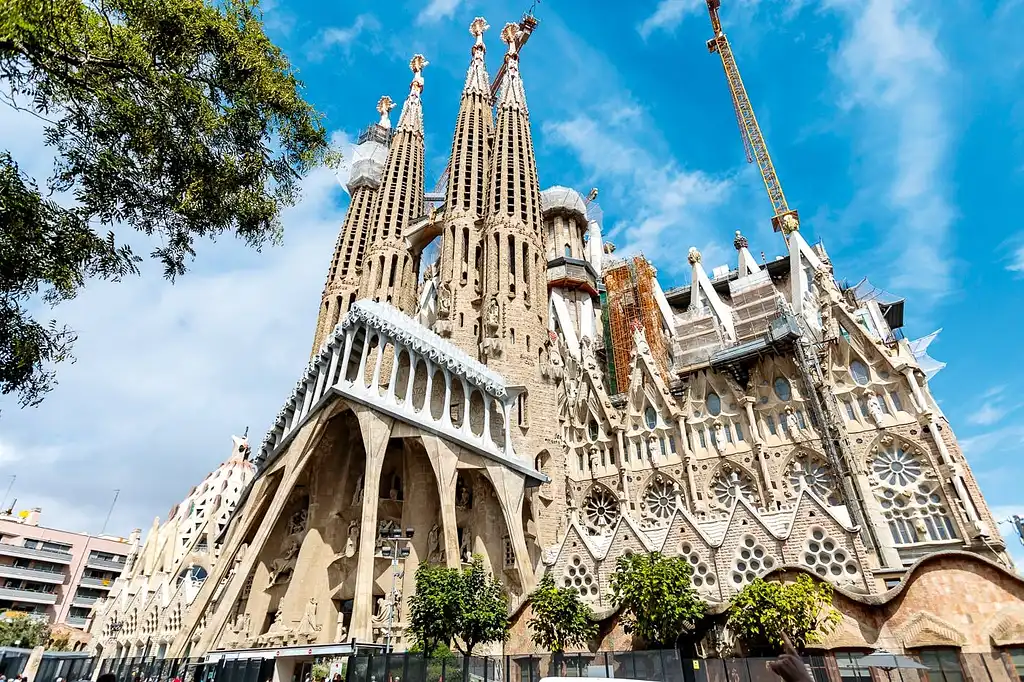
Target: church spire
(390, 272)
(342, 283)
(458, 307)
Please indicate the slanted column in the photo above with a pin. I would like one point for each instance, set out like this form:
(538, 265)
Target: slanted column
(487, 418)
(446, 417)
(350, 338)
(430, 387)
(376, 431)
(466, 429)
(506, 407)
(362, 357)
(396, 352)
(691, 485)
(321, 375)
(307, 397)
(336, 351)
(414, 363)
(381, 345)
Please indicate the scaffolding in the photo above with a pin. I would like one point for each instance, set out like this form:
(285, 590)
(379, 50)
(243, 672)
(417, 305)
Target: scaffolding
(630, 306)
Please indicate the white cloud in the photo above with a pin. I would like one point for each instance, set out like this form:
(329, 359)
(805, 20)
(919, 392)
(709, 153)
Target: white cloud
(992, 407)
(437, 10)
(165, 374)
(1006, 440)
(1016, 263)
(894, 73)
(664, 197)
(341, 37)
(668, 15)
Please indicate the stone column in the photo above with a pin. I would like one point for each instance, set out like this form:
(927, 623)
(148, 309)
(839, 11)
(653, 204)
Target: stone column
(376, 431)
(445, 464)
(688, 463)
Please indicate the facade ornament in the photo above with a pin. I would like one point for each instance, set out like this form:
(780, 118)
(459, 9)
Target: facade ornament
(789, 223)
(444, 300)
(493, 318)
(509, 35)
(384, 106)
(416, 65)
(874, 408)
(465, 545)
(309, 624)
(693, 255)
(476, 29)
(719, 432)
(352, 541)
(340, 631)
(435, 550)
(557, 366)
(791, 422)
(740, 242)
(652, 448)
(357, 496)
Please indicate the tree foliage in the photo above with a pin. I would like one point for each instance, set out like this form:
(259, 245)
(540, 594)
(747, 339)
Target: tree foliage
(764, 610)
(176, 118)
(468, 606)
(21, 629)
(560, 619)
(485, 615)
(657, 597)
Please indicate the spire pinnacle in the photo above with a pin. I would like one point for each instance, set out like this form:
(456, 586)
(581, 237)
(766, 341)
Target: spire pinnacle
(476, 29)
(417, 64)
(509, 34)
(384, 106)
(740, 242)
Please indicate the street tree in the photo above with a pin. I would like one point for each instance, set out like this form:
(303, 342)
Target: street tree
(656, 595)
(485, 609)
(560, 619)
(437, 606)
(178, 119)
(764, 610)
(22, 630)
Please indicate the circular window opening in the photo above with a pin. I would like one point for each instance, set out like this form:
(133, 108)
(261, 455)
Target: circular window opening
(714, 404)
(783, 389)
(651, 417)
(860, 372)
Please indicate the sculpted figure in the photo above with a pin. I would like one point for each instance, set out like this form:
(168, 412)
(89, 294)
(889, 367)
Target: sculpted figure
(352, 542)
(444, 300)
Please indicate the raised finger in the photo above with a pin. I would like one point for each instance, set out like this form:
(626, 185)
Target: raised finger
(787, 645)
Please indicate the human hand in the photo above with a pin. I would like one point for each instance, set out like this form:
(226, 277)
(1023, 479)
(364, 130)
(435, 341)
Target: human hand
(789, 666)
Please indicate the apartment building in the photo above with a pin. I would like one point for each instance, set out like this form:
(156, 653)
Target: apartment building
(56, 574)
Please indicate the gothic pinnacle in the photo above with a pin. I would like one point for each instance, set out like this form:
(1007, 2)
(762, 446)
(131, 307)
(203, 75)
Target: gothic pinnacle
(384, 106)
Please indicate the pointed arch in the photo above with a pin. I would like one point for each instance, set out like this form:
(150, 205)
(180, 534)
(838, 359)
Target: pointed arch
(807, 469)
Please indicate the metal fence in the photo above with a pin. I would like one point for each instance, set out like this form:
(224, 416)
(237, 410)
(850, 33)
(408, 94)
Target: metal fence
(152, 669)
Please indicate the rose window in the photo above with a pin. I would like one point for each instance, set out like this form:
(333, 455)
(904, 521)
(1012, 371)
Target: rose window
(813, 475)
(827, 558)
(918, 515)
(601, 510)
(660, 500)
(896, 467)
(729, 486)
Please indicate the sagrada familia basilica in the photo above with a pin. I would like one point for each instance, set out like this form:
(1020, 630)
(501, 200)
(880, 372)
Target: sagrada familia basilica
(534, 399)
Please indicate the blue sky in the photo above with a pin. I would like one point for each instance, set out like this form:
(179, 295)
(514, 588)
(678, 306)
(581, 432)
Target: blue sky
(897, 128)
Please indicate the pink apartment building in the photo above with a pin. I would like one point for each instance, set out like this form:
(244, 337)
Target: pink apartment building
(55, 573)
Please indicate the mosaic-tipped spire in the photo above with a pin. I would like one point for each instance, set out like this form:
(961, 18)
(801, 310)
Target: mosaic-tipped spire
(477, 81)
(512, 92)
(412, 110)
(384, 106)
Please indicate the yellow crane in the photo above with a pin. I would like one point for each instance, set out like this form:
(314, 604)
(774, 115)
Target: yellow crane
(784, 219)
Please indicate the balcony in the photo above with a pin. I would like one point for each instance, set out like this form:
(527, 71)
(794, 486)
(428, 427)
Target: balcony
(104, 564)
(84, 602)
(572, 273)
(101, 583)
(34, 574)
(76, 621)
(27, 596)
(22, 552)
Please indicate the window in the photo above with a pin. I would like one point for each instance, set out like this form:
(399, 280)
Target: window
(739, 432)
(703, 440)
(1017, 658)
(714, 404)
(849, 410)
(672, 444)
(568, 251)
(651, 417)
(592, 430)
(770, 421)
(800, 419)
(896, 400)
(863, 402)
(579, 456)
(783, 389)
(849, 669)
(860, 372)
(662, 441)
(943, 665)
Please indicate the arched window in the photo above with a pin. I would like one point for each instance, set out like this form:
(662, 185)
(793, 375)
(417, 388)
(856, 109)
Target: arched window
(568, 251)
(714, 404)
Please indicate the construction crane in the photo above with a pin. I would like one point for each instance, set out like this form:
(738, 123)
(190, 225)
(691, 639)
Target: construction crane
(784, 219)
(526, 26)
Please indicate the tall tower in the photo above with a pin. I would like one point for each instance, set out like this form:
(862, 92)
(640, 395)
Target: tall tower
(515, 297)
(461, 285)
(391, 272)
(343, 278)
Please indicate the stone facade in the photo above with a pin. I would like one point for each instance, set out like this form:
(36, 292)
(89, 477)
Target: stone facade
(144, 609)
(764, 418)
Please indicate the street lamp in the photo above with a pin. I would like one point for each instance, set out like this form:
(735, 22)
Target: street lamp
(394, 546)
